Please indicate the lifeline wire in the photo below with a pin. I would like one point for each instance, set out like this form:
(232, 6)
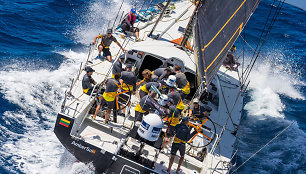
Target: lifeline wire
(264, 146)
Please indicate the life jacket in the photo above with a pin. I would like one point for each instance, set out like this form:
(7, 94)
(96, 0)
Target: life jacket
(132, 19)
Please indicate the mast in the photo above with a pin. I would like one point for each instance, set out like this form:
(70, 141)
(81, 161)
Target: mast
(189, 27)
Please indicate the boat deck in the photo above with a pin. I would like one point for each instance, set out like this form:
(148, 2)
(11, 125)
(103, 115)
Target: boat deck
(108, 137)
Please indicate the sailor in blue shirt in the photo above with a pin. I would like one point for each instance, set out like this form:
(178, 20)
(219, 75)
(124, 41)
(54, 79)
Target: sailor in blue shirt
(182, 135)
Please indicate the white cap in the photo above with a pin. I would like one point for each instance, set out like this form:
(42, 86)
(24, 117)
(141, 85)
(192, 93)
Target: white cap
(163, 99)
(195, 100)
(171, 81)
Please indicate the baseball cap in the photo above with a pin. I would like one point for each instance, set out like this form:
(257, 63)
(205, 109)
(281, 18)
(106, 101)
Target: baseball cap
(195, 100)
(89, 69)
(109, 31)
(129, 66)
(185, 119)
(133, 10)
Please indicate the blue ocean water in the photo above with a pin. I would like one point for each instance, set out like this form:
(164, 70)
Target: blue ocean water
(44, 42)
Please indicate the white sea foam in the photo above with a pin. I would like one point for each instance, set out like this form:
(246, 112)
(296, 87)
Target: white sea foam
(265, 119)
(97, 17)
(266, 86)
(38, 93)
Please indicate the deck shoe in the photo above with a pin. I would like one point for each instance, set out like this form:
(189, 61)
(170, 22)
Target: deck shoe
(179, 171)
(99, 56)
(165, 171)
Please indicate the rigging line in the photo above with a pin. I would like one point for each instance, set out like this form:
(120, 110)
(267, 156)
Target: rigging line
(264, 146)
(272, 64)
(229, 113)
(260, 38)
(124, 46)
(267, 34)
(118, 13)
(253, 60)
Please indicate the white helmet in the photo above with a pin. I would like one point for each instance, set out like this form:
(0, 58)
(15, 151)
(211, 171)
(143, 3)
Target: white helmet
(171, 81)
(163, 99)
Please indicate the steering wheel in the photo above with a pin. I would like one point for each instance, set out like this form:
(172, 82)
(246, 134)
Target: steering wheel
(123, 98)
(210, 133)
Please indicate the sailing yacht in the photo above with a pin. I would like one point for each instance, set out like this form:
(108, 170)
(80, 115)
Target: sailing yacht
(195, 35)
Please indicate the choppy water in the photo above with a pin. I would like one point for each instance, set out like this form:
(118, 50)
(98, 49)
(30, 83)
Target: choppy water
(44, 42)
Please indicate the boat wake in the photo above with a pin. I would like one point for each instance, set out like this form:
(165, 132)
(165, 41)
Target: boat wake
(28, 142)
(270, 100)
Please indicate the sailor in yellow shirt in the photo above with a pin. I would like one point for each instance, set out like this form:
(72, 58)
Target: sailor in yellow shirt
(144, 90)
(88, 81)
(181, 82)
(109, 96)
(182, 135)
(146, 104)
(106, 40)
(147, 77)
(128, 83)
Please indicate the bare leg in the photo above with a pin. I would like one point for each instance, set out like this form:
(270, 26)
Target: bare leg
(166, 142)
(170, 163)
(109, 58)
(180, 163)
(137, 34)
(97, 111)
(107, 114)
(100, 49)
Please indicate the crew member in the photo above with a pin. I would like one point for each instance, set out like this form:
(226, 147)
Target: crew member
(161, 73)
(117, 66)
(128, 83)
(88, 81)
(230, 62)
(200, 112)
(146, 104)
(182, 82)
(109, 96)
(144, 90)
(182, 135)
(106, 40)
(128, 22)
(174, 95)
(147, 77)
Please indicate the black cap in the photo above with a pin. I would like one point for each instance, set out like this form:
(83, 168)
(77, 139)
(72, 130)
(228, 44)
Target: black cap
(129, 66)
(185, 119)
(170, 100)
(109, 31)
(89, 69)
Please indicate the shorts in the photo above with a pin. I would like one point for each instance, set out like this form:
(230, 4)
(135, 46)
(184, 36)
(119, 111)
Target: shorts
(183, 95)
(178, 147)
(125, 27)
(138, 116)
(110, 105)
(142, 94)
(170, 132)
(106, 52)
